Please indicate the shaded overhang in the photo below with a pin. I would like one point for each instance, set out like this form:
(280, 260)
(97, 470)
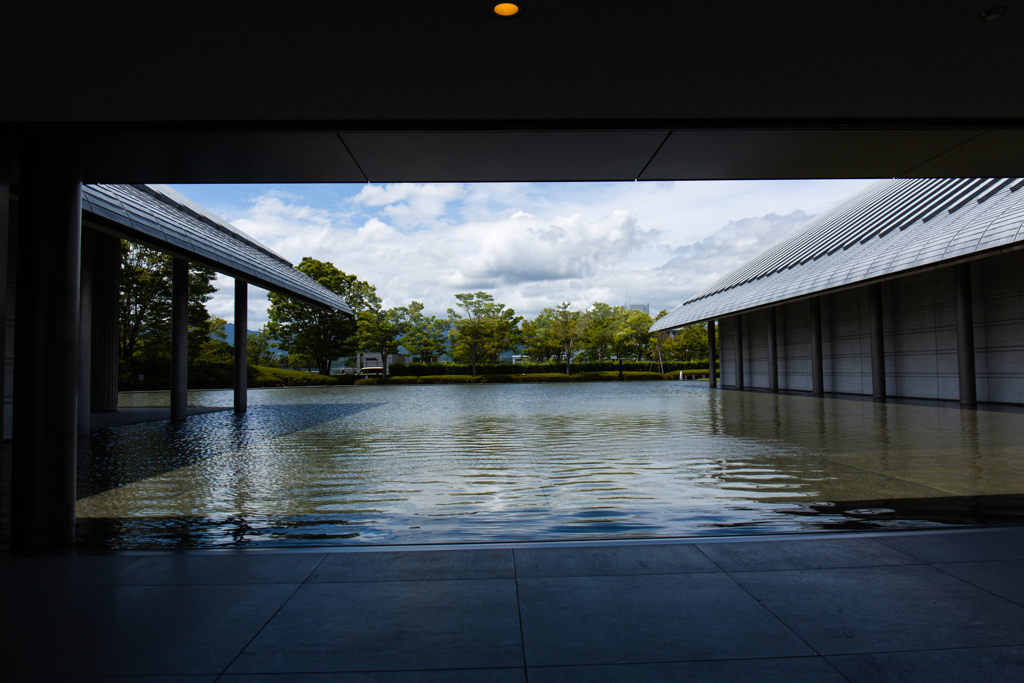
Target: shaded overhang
(890, 229)
(159, 217)
(574, 90)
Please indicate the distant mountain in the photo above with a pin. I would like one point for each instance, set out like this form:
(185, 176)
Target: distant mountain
(229, 330)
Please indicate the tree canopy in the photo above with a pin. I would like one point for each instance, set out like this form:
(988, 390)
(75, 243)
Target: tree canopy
(483, 330)
(426, 337)
(319, 334)
(144, 305)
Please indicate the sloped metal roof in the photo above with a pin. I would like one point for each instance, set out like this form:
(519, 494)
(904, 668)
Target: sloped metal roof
(889, 227)
(161, 218)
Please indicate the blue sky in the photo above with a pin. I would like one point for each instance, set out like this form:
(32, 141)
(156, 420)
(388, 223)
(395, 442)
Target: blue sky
(530, 245)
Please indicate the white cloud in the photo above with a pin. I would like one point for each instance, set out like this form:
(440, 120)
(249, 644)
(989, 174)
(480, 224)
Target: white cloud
(531, 245)
(697, 265)
(409, 204)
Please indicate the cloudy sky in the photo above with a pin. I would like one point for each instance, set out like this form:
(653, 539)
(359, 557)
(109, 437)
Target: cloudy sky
(530, 245)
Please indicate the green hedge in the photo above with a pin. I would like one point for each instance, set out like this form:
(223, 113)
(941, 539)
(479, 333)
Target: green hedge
(534, 378)
(222, 376)
(438, 369)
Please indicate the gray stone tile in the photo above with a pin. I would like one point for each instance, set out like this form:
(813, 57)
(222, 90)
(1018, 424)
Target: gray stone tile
(959, 546)
(1004, 578)
(131, 630)
(517, 675)
(884, 609)
(383, 626)
(651, 618)
(801, 554)
(423, 565)
(221, 568)
(988, 664)
(784, 670)
(80, 570)
(612, 560)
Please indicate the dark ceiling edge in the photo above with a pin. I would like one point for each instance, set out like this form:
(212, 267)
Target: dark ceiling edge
(908, 173)
(537, 125)
(341, 139)
(650, 160)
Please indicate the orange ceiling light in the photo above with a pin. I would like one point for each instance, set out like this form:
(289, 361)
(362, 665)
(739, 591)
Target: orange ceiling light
(506, 9)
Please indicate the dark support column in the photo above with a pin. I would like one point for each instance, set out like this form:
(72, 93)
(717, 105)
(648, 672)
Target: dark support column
(877, 342)
(739, 351)
(241, 345)
(712, 356)
(5, 205)
(817, 367)
(46, 372)
(965, 337)
(773, 354)
(179, 339)
(85, 332)
(106, 279)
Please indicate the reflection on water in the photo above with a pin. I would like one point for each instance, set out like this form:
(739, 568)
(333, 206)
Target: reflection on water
(435, 464)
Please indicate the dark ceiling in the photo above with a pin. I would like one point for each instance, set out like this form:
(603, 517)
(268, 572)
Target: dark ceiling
(350, 91)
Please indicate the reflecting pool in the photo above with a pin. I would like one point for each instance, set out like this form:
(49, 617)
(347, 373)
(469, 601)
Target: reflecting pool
(469, 463)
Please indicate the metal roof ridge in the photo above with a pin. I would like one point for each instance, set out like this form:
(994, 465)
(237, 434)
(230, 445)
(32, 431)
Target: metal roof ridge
(169, 195)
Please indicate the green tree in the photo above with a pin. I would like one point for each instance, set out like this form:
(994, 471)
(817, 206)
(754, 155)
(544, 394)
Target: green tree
(144, 306)
(565, 328)
(689, 343)
(258, 346)
(537, 341)
(426, 335)
(315, 334)
(596, 344)
(633, 335)
(379, 329)
(485, 329)
(214, 348)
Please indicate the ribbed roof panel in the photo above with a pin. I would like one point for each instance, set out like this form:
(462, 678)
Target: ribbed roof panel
(888, 227)
(158, 216)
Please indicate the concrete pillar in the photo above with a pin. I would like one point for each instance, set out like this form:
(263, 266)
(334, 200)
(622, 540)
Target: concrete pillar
(817, 365)
(965, 337)
(241, 345)
(5, 206)
(739, 351)
(85, 331)
(877, 342)
(43, 468)
(773, 353)
(712, 356)
(106, 281)
(179, 339)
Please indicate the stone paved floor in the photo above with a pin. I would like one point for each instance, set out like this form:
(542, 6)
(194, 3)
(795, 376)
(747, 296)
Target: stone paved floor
(903, 606)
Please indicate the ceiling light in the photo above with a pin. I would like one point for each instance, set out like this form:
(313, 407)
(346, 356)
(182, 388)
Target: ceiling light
(506, 9)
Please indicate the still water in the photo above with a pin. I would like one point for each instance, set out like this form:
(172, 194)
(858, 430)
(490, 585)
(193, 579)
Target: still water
(443, 464)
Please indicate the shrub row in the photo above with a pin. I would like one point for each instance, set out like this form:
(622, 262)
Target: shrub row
(423, 370)
(537, 377)
(222, 376)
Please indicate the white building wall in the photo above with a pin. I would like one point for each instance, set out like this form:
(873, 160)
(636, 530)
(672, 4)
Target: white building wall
(998, 290)
(793, 336)
(919, 319)
(755, 353)
(846, 342)
(726, 366)
(921, 328)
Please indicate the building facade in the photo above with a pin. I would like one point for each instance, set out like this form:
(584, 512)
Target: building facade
(909, 289)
